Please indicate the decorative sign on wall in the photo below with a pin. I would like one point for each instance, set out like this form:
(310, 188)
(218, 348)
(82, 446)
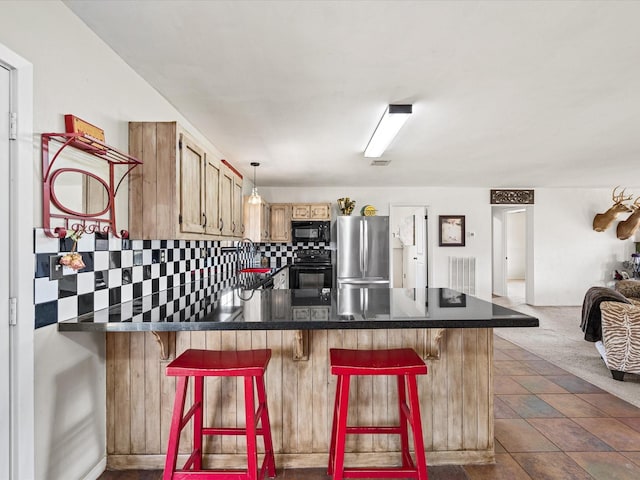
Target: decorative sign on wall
(512, 197)
(86, 132)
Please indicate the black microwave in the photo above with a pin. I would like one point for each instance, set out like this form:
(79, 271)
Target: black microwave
(310, 231)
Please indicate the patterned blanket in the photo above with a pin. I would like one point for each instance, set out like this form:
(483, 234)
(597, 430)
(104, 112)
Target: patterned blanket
(591, 316)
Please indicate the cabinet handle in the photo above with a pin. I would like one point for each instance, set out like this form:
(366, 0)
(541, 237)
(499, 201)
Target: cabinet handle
(233, 226)
(221, 224)
(205, 219)
(242, 228)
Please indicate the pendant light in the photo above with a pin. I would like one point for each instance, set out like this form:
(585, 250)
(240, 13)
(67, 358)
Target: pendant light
(254, 198)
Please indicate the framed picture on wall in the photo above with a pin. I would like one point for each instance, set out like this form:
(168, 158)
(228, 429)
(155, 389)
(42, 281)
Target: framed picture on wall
(451, 229)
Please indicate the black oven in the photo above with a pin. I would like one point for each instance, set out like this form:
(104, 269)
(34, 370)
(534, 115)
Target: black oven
(311, 269)
(316, 276)
(312, 231)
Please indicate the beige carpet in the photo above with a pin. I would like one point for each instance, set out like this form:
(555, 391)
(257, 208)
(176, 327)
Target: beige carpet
(560, 341)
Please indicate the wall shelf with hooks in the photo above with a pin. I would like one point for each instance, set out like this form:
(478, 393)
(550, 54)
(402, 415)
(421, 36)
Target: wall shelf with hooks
(103, 221)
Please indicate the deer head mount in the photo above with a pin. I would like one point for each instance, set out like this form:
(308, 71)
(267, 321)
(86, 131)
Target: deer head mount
(602, 221)
(628, 227)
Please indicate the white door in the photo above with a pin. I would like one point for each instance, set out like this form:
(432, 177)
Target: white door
(408, 225)
(421, 248)
(5, 380)
(499, 256)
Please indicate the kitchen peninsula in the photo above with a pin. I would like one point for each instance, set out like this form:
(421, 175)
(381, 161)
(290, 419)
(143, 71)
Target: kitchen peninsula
(452, 331)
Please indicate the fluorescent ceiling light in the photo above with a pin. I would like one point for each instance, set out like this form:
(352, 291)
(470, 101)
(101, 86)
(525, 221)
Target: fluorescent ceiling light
(388, 127)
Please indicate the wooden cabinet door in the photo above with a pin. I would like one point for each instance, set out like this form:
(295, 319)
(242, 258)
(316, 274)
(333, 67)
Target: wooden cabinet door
(301, 212)
(280, 304)
(265, 222)
(313, 211)
(212, 196)
(192, 163)
(226, 201)
(237, 226)
(319, 313)
(255, 216)
(300, 313)
(280, 222)
(320, 211)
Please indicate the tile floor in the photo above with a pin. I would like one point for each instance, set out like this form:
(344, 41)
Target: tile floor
(549, 424)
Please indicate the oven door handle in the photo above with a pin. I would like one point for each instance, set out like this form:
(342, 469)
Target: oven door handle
(311, 267)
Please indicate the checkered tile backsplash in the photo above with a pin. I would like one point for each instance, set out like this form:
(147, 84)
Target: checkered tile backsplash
(118, 271)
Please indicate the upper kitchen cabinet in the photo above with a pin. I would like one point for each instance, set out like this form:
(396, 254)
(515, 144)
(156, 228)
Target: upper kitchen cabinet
(280, 222)
(257, 218)
(311, 211)
(194, 196)
(182, 191)
(214, 203)
(231, 214)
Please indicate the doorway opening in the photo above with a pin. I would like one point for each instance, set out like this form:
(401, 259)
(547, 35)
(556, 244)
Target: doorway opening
(408, 244)
(511, 253)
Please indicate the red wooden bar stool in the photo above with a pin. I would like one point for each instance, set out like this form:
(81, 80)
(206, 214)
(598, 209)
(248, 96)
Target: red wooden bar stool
(198, 364)
(405, 364)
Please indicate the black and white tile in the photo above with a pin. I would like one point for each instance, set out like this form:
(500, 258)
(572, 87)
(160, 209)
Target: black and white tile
(127, 272)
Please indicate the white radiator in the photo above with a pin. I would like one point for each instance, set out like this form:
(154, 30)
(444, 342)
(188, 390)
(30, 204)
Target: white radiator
(462, 274)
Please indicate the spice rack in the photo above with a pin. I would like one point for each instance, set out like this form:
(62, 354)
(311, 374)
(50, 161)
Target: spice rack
(103, 221)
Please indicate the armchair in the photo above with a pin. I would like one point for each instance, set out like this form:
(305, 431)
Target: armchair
(620, 345)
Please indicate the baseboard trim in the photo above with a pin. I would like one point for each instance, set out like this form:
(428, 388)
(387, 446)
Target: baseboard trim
(304, 460)
(96, 471)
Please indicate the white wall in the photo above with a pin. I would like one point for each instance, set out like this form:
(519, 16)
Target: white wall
(570, 256)
(74, 72)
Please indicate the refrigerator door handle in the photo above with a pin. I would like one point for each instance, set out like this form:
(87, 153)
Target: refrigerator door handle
(365, 261)
(361, 248)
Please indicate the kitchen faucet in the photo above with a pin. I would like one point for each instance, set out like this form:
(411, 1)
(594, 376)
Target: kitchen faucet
(243, 253)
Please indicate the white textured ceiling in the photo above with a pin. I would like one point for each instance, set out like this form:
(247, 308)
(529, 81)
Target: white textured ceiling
(505, 93)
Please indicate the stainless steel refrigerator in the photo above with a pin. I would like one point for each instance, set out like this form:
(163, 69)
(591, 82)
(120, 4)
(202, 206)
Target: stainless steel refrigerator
(362, 252)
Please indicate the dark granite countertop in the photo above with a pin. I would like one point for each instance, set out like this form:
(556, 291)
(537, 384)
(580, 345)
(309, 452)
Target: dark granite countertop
(318, 309)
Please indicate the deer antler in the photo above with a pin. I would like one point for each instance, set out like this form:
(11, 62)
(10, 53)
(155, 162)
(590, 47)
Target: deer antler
(620, 198)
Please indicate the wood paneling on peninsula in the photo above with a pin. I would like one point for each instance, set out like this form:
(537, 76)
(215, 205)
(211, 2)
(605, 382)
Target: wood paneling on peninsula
(456, 397)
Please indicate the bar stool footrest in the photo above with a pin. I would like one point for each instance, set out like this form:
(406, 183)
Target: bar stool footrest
(373, 429)
(208, 475)
(229, 431)
(380, 472)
